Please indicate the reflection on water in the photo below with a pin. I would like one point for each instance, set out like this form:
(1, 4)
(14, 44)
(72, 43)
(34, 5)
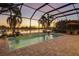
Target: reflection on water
(25, 32)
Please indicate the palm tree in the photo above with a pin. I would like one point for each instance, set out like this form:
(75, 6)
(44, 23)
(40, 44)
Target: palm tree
(15, 18)
(14, 21)
(43, 21)
(15, 14)
(46, 21)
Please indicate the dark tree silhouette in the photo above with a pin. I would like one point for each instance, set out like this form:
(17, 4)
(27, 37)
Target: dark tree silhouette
(46, 20)
(13, 21)
(15, 14)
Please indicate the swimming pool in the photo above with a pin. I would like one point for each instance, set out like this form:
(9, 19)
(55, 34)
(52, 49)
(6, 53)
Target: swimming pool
(27, 40)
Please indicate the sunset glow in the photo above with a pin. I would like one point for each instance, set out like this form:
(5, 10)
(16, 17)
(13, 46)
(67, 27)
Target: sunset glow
(25, 22)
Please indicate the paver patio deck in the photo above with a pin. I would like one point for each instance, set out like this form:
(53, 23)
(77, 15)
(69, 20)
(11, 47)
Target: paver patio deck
(64, 45)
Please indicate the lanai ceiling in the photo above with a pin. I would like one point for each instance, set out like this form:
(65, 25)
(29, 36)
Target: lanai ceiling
(36, 10)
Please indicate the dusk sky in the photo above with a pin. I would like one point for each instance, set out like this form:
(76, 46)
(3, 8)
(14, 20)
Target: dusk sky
(27, 12)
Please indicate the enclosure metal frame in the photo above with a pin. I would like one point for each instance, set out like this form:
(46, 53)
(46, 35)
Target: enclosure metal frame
(47, 4)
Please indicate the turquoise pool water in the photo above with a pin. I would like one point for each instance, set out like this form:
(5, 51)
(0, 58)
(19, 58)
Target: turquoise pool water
(27, 40)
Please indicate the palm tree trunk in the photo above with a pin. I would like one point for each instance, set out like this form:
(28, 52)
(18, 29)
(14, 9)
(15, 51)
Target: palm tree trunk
(13, 30)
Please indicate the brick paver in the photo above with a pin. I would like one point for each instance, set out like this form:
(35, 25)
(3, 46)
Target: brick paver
(64, 45)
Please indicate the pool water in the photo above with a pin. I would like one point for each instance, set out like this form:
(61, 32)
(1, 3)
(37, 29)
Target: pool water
(27, 40)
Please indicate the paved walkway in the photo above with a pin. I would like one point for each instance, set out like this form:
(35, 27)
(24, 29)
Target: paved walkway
(65, 45)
